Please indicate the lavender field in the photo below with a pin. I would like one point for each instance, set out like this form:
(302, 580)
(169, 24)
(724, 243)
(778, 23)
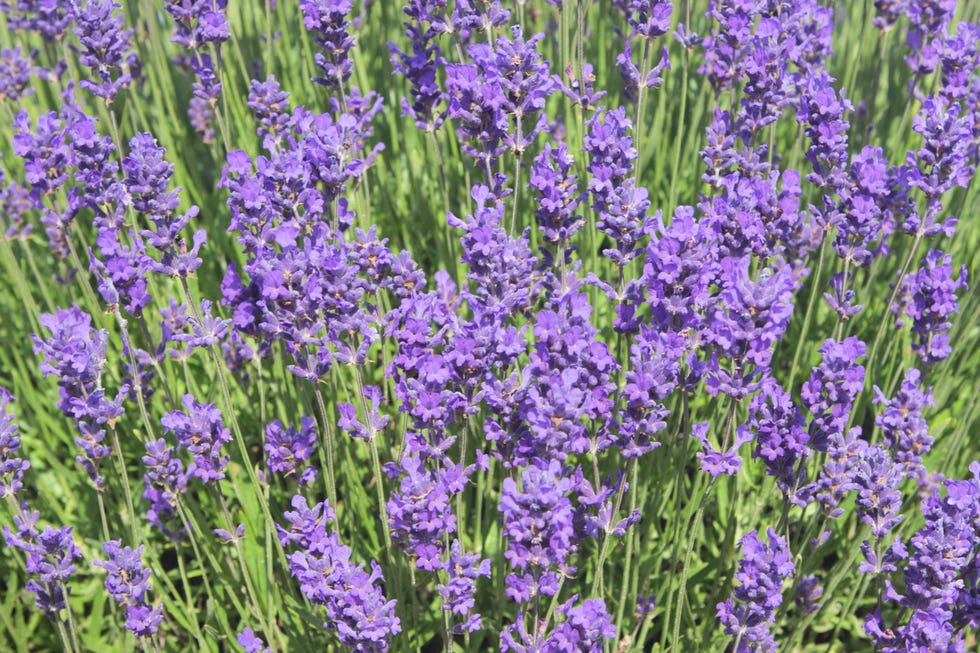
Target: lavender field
(450, 326)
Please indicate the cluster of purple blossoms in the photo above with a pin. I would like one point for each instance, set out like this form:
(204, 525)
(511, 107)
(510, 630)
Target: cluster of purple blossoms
(145, 176)
(201, 26)
(49, 19)
(558, 198)
(498, 101)
(782, 441)
(164, 481)
(12, 468)
(748, 320)
(251, 642)
(128, 583)
(584, 628)
(328, 23)
(422, 522)
(309, 277)
(620, 204)
(846, 452)
(15, 74)
(538, 520)
(945, 160)
(201, 431)
(75, 353)
(749, 612)
(680, 267)
(106, 46)
(288, 449)
(51, 556)
(903, 425)
(939, 595)
(358, 611)
(927, 21)
(47, 166)
(647, 20)
(928, 297)
(421, 67)
(830, 391)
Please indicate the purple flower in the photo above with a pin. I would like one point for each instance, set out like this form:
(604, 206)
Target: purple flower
(420, 511)
(585, 628)
(328, 22)
(879, 500)
(715, 462)
(537, 522)
(459, 591)
(863, 205)
(580, 91)
(164, 480)
(201, 431)
(15, 74)
(146, 175)
(270, 104)
(749, 612)
(943, 161)
(822, 111)
(358, 611)
(902, 423)
(830, 391)
(781, 439)
(421, 67)
(679, 268)
(620, 204)
(12, 468)
(842, 298)
(106, 46)
(76, 354)
(633, 78)
(558, 196)
(249, 641)
(47, 161)
(128, 583)
(50, 561)
(49, 19)
(746, 324)
(928, 296)
(939, 591)
(198, 22)
(287, 450)
(846, 453)
(888, 12)
(500, 265)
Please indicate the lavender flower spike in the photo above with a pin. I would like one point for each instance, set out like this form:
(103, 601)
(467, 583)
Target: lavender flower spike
(11, 468)
(750, 610)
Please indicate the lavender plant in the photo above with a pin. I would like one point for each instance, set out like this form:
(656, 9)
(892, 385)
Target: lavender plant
(539, 326)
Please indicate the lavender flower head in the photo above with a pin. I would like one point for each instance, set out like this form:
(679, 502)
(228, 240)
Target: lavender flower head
(50, 561)
(328, 22)
(164, 481)
(830, 391)
(76, 354)
(538, 525)
(287, 449)
(201, 431)
(929, 298)
(15, 74)
(106, 46)
(364, 620)
(12, 468)
(902, 423)
(749, 612)
(128, 583)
